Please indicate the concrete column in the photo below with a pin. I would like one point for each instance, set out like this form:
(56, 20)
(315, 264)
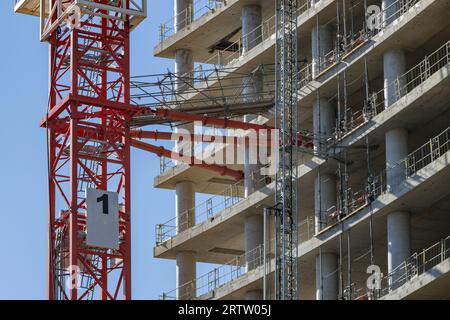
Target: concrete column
(394, 65)
(321, 44)
(253, 86)
(186, 275)
(186, 263)
(325, 199)
(396, 151)
(254, 234)
(327, 277)
(185, 194)
(185, 203)
(184, 66)
(252, 174)
(399, 243)
(324, 122)
(398, 223)
(251, 27)
(254, 238)
(183, 13)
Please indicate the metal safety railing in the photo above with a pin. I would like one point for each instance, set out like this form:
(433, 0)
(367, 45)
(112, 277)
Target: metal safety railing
(423, 71)
(352, 201)
(232, 270)
(427, 153)
(248, 41)
(404, 84)
(232, 195)
(192, 13)
(416, 265)
(203, 7)
(345, 44)
(355, 201)
(242, 46)
(222, 58)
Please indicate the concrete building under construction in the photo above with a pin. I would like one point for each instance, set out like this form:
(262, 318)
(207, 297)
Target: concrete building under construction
(357, 91)
(373, 92)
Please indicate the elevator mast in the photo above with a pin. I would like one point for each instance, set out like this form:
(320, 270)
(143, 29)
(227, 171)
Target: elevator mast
(286, 118)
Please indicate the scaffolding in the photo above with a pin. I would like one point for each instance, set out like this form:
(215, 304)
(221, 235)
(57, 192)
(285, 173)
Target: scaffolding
(286, 118)
(213, 92)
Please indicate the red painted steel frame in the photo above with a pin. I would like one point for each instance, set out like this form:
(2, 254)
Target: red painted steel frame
(89, 145)
(159, 135)
(89, 90)
(191, 160)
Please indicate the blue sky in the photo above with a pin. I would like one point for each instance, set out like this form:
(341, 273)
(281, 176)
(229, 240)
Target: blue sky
(23, 188)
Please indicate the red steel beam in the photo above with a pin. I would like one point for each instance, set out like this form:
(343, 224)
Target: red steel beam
(162, 152)
(55, 111)
(158, 135)
(209, 121)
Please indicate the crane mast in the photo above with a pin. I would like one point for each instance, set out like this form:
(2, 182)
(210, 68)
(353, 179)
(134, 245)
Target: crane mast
(286, 114)
(87, 124)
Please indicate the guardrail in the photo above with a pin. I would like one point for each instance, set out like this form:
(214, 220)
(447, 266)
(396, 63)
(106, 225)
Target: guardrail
(414, 266)
(418, 263)
(223, 58)
(187, 16)
(353, 201)
(345, 44)
(246, 42)
(232, 195)
(404, 84)
(232, 270)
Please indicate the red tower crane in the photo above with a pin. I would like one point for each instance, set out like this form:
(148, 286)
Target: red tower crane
(89, 144)
(89, 138)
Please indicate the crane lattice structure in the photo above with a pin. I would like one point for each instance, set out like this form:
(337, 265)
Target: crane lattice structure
(89, 140)
(286, 118)
(95, 114)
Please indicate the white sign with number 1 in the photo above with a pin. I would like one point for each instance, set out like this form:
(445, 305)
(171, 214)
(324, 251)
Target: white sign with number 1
(102, 218)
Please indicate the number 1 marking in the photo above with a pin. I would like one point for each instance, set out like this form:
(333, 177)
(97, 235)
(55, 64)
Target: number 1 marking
(104, 200)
